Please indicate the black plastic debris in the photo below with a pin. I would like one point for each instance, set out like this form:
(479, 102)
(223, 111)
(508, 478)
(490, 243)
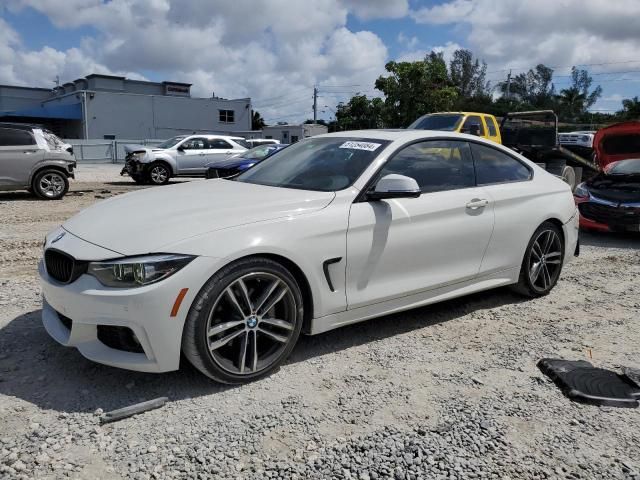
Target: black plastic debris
(582, 382)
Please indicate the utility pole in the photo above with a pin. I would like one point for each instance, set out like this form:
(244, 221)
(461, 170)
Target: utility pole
(315, 104)
(508, 93)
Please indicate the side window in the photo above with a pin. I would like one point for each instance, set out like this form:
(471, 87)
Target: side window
(435, 165)
(219, 144)
(195, 144)
(10, 137)
(470, 123)
(494, 166)
(491, 126)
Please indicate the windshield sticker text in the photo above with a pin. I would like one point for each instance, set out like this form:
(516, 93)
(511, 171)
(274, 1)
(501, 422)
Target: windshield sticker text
(370, 147)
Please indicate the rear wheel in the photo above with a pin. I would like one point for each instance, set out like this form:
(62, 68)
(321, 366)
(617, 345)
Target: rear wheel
(158, 173)
(50, 184)
(244, 322)
(542, 262)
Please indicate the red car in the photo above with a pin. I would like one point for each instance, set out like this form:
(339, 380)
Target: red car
(610, 201)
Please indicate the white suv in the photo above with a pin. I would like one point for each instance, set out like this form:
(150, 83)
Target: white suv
(182, 156)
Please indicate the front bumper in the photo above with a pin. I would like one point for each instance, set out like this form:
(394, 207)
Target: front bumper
(132, 167)
(608, 217)
(570, 230)
(78, 315)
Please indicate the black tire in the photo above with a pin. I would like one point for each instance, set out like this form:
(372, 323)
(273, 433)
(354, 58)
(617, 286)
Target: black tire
(158, 173)
(139, 179)
(214, 310)
(50, 184)
(536, 279)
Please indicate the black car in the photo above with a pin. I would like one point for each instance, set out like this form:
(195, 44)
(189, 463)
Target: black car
(610, 201)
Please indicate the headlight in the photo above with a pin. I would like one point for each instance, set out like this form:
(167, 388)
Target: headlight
(137, 271)
(581, 191)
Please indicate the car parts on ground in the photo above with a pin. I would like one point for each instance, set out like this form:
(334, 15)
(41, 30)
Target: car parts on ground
(581, 381)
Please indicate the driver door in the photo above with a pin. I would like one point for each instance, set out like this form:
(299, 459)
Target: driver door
(403, 246)
(192, 155)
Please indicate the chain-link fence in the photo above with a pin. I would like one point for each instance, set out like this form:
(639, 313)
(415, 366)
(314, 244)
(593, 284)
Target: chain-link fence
(105, 151)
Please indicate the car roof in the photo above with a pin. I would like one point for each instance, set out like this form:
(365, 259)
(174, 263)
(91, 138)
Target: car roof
(456, 113)
(400, 135)
(19, 126)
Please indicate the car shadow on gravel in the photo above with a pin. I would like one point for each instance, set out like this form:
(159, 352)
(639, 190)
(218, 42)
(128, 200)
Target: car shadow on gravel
(34, 368)
(625, 240)
(20, 196)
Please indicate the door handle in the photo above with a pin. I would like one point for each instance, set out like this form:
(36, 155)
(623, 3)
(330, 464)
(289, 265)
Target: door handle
(477, 203)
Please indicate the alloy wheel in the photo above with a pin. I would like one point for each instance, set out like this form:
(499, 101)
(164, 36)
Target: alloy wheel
(545, 260)
(51, 185)
(159, 174)
(251, 323)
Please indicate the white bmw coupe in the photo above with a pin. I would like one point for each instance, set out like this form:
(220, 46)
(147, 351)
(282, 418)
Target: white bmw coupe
(333, 230)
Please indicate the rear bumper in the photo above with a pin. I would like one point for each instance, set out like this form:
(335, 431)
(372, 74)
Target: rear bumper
(570, 230)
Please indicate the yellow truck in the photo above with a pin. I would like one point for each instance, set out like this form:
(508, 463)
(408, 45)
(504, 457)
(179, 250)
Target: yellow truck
(479, 124)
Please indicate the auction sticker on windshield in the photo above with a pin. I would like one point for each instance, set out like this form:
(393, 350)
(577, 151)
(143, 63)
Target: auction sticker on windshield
(370, 147)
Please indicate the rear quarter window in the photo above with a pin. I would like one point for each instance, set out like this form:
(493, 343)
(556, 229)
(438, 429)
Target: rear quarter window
(493, 166)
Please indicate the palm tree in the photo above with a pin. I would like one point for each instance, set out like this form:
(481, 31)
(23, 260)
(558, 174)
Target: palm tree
(257, 122)
(572, 101)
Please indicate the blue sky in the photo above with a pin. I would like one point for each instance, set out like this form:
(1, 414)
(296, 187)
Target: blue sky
(278, 52)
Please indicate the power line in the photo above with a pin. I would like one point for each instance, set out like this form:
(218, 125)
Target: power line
(566, 66)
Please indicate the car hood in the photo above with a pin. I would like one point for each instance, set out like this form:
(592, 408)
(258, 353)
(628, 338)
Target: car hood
(615, 188)
(232, 162)
(141, 148)
(617, 142)
(153, 219)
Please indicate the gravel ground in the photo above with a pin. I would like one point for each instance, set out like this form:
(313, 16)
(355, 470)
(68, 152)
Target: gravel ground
(447, 391)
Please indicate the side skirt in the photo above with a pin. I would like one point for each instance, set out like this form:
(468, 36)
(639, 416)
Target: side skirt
(487, 282)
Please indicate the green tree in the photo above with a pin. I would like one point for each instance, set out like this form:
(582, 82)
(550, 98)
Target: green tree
(533, 89)
(630, 109)
(574, 102)
(468, 75)
(360, 112)
(257, 122)
(415, 88)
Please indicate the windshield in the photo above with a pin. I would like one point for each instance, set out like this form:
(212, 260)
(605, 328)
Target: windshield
(320, 164)
(626, 167)
(447, 123)
(242, 142)
(258, 153)
(171, 142)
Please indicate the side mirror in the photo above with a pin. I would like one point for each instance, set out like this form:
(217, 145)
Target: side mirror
(180, 148)
(395, 186)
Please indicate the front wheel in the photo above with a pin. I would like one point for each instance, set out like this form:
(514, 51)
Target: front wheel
(244, 322)
(158, 173)
(50, 184)
(542, 262)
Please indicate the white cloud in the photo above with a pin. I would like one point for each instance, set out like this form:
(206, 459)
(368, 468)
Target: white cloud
(446, 50)
(409, 43)
(369, 9)
(236, 49)
(554, 32)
